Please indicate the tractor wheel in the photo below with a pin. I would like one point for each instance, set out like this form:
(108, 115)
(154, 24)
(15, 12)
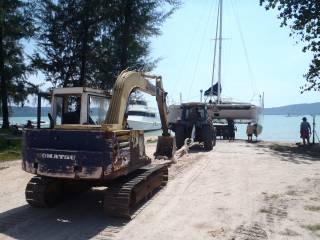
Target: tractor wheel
(214, 133)
(208, 137)
(180, 136)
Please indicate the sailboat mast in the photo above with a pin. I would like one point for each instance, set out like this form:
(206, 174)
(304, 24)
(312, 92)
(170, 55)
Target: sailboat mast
(220, 52)
(215, 52)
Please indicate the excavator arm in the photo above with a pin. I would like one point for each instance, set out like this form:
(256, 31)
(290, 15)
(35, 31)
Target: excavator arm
(127, 82)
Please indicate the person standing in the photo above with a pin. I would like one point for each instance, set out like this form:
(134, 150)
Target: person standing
(249, 131)
(231, 130)
(305, 131)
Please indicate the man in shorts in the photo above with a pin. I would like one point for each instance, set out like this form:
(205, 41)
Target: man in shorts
(305, 131)
(249, 131)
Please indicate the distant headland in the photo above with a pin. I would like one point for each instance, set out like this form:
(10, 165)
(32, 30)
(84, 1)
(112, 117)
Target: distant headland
(295, 109)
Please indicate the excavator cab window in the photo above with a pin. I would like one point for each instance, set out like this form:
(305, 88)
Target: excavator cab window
(68, 109)
(77, 106)
(97, 109)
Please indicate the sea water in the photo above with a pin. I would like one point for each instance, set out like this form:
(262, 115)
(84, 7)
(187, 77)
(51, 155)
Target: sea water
(281, 128)
(275, 127)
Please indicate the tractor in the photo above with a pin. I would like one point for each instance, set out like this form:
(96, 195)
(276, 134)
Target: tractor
(192, 121)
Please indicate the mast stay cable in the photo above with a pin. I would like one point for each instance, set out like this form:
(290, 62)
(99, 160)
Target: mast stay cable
(201, 47)
(190, 46)
(251, 74)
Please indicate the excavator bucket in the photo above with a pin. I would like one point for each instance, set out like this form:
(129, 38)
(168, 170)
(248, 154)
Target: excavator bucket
(166, 147)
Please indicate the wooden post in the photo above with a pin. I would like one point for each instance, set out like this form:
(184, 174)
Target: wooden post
(314, 129)
(39, 111)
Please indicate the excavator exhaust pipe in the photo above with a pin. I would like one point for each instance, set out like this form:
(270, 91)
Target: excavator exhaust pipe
(166, 147)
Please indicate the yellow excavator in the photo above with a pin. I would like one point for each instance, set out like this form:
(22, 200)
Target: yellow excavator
(88, 144)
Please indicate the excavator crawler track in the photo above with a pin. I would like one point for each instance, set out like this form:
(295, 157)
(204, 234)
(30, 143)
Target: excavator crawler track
(123, 197)
(43, 192)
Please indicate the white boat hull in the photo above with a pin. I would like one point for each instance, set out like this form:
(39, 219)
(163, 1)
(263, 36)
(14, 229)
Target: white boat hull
(144, 125)
(251, 113)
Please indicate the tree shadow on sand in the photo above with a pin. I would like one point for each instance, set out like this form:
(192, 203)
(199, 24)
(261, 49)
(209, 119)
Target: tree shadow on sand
(295, 153)
(81, 217)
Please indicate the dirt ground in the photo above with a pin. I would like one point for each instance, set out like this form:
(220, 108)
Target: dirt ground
(237, 191)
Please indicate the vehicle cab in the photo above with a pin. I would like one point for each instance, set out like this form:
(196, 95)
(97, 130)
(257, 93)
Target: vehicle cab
(194, 112)
(79, 105)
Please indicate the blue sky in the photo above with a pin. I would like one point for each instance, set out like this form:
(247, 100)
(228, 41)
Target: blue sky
(186, 50)
(276, 60)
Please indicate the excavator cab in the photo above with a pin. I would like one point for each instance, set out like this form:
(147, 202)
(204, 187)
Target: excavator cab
(84, 106)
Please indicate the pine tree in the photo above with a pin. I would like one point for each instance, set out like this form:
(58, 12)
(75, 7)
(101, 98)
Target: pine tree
(68, 32)
(130, 24)
(16, 24)
(87, 43)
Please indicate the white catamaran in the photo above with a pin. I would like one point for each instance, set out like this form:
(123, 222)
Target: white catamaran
(240, 112)
(219, 108)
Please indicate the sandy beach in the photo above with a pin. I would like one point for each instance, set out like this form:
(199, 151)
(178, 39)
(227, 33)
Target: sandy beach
(239, 190)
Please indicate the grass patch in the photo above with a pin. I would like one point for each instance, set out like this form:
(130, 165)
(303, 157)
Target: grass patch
(273, 196)
(152, 140)
(280, 148)
(307, 150)
(314, 199)
(289, 232)
(264, 210)
(312, 208)
(292, 193)
(312, 228)
(10, 149)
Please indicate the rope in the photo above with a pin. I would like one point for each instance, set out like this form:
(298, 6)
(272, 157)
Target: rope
(188, 143)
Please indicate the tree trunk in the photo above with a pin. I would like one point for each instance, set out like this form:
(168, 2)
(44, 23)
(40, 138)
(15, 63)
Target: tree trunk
(83, 70)
(3, 80)
(4, 101)
(125, 35)
(84, 52)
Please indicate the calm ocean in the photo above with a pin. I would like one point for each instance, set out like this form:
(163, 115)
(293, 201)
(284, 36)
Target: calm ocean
(275, 127)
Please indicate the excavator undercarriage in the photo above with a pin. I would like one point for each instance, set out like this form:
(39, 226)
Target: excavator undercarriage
(121, 197)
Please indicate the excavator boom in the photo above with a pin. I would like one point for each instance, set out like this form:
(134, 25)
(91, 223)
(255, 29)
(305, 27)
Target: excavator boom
(127, 82)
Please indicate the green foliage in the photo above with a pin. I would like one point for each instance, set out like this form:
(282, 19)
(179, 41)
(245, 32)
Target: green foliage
(312, 208)
(88, 43)
(16, 25)
(68, 40)
(10, 149)
(303, 18)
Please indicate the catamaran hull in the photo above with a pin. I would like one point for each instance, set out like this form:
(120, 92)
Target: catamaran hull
(239, 112)
(251, 113)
